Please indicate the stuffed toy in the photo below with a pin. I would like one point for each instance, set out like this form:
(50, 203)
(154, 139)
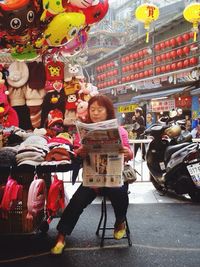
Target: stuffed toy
(71, 102)
(8, 116)
(52, 100)
(72, 87)
(82, 110)
(70, 117)
(72, 71)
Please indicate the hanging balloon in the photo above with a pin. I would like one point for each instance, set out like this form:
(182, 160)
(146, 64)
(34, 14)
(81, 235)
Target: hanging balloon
(51, 8)
(147, 13)
(63, 28)
(81, 3)
(192, 14)
(93, 13)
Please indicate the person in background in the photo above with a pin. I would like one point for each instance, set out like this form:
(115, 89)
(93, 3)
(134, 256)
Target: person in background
(100, 108)
(149, 120)
(139, 128)
(196, 132)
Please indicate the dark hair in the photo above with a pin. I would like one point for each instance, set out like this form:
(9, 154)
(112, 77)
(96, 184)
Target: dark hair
(139, 110)
(104, 101)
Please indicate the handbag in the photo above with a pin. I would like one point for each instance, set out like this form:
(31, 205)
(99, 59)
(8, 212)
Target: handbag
(129, 174)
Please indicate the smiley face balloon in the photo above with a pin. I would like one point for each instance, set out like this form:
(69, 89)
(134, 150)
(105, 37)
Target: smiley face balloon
(63, 27)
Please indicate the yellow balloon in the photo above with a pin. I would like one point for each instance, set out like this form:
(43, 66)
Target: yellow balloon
(64, 27)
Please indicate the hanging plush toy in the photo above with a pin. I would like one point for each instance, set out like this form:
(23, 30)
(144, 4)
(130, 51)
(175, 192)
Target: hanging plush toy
(8, 116)
(63, 27)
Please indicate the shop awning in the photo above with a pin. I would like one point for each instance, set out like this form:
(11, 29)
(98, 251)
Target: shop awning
(195, 92)
(165, 93)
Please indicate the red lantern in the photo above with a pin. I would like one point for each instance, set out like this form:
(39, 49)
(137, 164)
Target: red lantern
(168, 55)
(157, 47)
(167, 43)
(150, 72)
(172, 42)
(135, 55)
(163, 68)
(136, 76)
(123, 79)
(186, 50)
(179, 39)
(179, 52)
(141, 64)
(193, 61)
(145, 62)
(162, 45)
(158, 70)
(141, 75)
(180, 65)
(168, 67)
(128, 78)
(123, 69)
(186, 63)
(132, 77)
(144, 51)
(150, 61)
(127, 58)
(123, 60)
(191, 35)
(131, 66)
(146, 73)
(173, 54)
(173, 66)
(136, 65)
(140, 53)
(186, 37)
(127, 68)
(163, 57)
(158, 58)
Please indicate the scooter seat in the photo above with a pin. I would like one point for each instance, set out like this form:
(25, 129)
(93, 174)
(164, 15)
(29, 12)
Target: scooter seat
(171, 149)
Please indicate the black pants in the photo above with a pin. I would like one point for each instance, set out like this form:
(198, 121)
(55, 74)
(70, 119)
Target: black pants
(137, 146)
(84, 196)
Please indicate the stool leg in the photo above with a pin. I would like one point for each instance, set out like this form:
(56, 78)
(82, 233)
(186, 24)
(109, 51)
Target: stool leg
(104, 222)
(128, 233)
(101, 218)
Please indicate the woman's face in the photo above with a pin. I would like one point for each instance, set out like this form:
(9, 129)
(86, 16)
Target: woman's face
(97, 113)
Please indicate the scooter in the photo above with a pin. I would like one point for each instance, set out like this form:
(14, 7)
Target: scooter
(173, 160)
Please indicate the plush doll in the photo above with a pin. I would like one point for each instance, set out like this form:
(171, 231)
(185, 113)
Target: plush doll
(72, 71)
(70, 117)
(8, 116)
(81, 111)
(71, 102)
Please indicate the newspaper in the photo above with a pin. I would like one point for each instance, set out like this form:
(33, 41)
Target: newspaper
(104, 164)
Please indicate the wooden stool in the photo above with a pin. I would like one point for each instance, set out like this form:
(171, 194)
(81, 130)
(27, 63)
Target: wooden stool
(104, 227)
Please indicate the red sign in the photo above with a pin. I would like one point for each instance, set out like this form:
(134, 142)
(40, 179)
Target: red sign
(183, 102)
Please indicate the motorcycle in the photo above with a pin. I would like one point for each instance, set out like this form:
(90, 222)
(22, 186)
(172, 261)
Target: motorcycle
(173, 159)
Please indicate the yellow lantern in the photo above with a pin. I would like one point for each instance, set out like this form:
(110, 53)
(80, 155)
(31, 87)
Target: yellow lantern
(147, 13)
(192, 14)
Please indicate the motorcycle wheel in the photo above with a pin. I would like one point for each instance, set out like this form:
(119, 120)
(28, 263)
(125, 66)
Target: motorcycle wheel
(157, 186)
(195, 195)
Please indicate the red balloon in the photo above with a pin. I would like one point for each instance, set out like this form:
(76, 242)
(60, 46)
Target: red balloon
(144, 51)
(146, 73)
(128, 78)
(186, 37)
(127, 68)
(136, 65)
(168, 55)
(186, 50)
(191, 35)
(162, 45)
(172, 42)
(127, 58)
(140, 53)
(123, 69)
(131, 56)
(179, 65)
(179, 39)
(150, 72)
(150, 61)
(173, 66)
(141, 75)
(132, 77)
(145, 62)
(186, 63)
(136, 76)
(135, 55)
(123, 79)
(179, 52)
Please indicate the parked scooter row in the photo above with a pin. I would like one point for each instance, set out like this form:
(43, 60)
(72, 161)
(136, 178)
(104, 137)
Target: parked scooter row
(173, 159)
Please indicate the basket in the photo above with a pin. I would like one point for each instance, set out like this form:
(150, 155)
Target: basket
(16, 222)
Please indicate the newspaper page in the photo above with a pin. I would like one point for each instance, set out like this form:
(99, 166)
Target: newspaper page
(104, 164)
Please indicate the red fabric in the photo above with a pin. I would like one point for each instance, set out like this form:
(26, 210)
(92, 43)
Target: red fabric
(54, 71)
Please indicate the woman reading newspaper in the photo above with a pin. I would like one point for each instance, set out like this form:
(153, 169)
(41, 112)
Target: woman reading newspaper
(100, 108)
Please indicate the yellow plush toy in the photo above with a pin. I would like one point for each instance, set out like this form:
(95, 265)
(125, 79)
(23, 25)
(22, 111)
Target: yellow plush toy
(63, 27)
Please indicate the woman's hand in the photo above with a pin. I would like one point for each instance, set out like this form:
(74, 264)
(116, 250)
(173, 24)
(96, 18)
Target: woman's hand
(126, 153)
(82, 151)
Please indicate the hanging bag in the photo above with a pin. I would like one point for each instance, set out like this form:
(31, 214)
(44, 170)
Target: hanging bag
(129, 174)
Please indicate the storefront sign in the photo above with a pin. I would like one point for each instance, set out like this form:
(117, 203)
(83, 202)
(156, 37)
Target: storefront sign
(127, 108)
(162, 105)
(183, 102)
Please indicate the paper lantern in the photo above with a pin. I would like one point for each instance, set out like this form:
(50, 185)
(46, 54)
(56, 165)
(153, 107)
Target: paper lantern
(172, 42)
(186, 50)
(179, 52)
(173, 66)
(186, 37)
(191, 13)
(180, 65)
(179, 39)
(147, 13)
(167, 43)
(186, 63)
(157, 47)
(162, 45)
(168, 67)
(158, 70)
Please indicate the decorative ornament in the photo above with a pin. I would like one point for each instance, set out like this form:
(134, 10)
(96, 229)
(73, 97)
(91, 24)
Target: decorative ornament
(147, 13)
(191, 13)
